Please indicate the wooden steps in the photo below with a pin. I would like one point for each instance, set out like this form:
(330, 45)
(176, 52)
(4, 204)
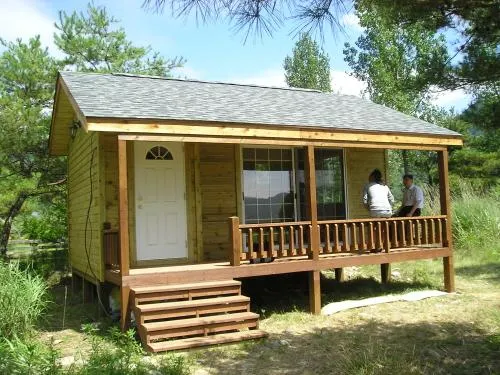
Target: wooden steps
(194, 342)
(181, 316)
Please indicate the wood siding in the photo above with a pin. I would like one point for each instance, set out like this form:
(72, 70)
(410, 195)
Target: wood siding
(218, 196)
(359, 164)
(84, 206)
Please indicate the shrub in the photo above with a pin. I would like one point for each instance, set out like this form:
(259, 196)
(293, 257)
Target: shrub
(125, 357)
(27, 357)
(23, 298)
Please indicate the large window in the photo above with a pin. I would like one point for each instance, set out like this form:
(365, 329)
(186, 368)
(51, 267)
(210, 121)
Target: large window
(268, 185)
(270, 177)
(330, 193)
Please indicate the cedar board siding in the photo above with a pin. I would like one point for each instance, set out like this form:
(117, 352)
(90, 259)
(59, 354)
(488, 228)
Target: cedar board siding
(359, 164)
(84, 181)
(212, 192)
(218, 197)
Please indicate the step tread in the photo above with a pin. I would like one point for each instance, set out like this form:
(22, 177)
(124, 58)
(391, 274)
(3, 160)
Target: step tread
(190, 286)
(193, 342)
(191, 304)
(190, 322)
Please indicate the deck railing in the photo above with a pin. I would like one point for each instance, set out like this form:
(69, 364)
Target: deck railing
(111, 243)
(291, 239)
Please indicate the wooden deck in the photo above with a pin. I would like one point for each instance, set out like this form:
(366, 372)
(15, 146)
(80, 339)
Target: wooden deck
(223, 270)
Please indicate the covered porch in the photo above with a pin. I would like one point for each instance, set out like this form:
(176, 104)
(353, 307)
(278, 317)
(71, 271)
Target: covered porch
(267, 248)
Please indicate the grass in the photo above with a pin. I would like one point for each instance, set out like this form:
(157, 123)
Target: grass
(455, 334)
(22, 300)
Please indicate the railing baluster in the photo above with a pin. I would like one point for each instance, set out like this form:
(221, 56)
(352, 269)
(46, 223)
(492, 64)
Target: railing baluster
(387, 237)
(433, 231)
(410, 234)
(336, 238)
(403, 233)
(327, 239)
(346, 236)
(354, 237)
(380, 244)
(395, 234)
(371, 237)
(362, 236)
(270, 251)
(262, 250)
(282, 242)
(418, 231)
(243, 255)
(425, 236)
(445, 233)
(301, 249)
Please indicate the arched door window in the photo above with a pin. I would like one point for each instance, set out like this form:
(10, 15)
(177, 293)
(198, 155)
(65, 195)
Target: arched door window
(158, 153)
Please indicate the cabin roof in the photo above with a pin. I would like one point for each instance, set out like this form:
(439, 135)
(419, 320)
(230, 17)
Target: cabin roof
(126, 97)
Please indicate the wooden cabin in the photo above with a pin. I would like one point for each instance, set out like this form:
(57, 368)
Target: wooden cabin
(178, 189)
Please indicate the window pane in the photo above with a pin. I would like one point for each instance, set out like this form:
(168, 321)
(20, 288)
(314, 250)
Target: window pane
(267, 186)
(249, 154)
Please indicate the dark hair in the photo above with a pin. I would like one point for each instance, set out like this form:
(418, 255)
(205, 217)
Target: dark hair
(410, 176)
(377, 176)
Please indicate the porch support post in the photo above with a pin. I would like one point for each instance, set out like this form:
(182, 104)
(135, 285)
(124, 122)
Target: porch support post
(339, 274)
(124, 227)
(314, 292)
(444, 196)
(385, 273)
(235, 239)
(310, 177)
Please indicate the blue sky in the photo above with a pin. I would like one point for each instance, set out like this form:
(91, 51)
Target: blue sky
(213, 51)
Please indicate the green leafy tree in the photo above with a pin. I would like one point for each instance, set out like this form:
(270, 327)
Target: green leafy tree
(92, 42)
(27, 74)
(399, 64)
(308, 67)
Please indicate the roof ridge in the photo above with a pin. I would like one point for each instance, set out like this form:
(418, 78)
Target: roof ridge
(196, 81)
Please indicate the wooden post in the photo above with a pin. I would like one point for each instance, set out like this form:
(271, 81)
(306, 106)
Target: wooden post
(235, 240)
(444, 196)
(124, 228)
(310, 177)
(385, 272)
(314, 292)
(339, 274)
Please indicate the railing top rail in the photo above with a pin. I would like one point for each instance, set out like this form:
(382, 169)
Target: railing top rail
(277, 225)
(347, 221)
(380, 219)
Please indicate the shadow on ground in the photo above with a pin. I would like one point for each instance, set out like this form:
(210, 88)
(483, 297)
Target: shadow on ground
(289, 292)
(371, 348)
(488, 271)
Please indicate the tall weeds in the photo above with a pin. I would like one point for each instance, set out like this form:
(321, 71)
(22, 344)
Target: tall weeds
(23, 298)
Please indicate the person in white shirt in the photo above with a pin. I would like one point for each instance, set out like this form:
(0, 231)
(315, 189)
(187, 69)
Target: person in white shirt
(377, 196)
(413, 198)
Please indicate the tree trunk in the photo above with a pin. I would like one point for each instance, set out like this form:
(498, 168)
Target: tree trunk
(406, 162)
(7, 225)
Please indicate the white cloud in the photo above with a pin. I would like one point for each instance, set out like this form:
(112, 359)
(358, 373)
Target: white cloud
(352, 21)
(343, 83)
(25, 19)
(273, 77)
(457, 99)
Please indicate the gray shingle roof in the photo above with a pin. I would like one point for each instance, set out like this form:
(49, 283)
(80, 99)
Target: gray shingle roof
(141, 97)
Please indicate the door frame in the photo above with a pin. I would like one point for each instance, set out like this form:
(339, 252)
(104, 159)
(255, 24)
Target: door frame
(132, 214)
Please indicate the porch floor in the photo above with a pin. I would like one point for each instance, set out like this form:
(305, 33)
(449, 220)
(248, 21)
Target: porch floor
(223, 270)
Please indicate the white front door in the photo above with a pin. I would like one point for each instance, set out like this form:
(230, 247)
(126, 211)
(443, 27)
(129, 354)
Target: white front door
(161, 224)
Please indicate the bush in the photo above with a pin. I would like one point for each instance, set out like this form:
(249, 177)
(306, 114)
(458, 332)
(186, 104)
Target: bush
(27, 357)
(23, 298)
(125, 357)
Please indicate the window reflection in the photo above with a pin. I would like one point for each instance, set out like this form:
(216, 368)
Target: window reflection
(268, 185)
